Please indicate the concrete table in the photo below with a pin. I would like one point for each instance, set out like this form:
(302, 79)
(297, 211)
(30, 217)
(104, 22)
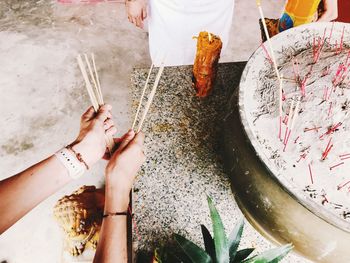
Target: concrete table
(184, 161)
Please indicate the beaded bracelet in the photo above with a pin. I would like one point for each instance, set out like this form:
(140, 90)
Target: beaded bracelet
(78, 155)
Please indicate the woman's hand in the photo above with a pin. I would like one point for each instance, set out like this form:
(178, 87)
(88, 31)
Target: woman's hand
(122, 169)
(136, 11)
(94, 127)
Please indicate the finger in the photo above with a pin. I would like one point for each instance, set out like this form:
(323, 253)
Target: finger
(108, 123)
(138, 21)
(127, 138)
(144, 13)
(103, 112)
(111, 131)
(89, 114)
(134, 20)
(139, 139)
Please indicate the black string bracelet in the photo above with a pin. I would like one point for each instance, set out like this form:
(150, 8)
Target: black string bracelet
(116, 214)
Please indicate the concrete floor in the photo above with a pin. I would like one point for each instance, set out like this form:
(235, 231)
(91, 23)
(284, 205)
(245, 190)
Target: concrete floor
(43, 95)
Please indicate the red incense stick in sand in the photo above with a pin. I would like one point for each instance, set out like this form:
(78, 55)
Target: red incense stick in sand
(342, 185)
(327, 150)
(336, 165)
(295, 115)
(317, 47)
(330, 109)
(296, 139)
(310, 172)
(289, 119)
(344, 156)
(347, 59)
(266, 53)
(325, 93)
(340, 48)
(280, 107)
(331, 130)
(312, 129)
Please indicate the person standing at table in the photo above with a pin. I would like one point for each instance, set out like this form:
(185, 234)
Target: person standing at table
(172, 24)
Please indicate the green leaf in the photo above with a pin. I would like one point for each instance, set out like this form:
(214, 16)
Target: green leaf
(241, 255)
(194, 252)
(235, 238)
(158, 255)
(271, 256)
(220, 239)
(208, 242)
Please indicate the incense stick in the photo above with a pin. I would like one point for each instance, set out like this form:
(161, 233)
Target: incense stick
(150, 99)
(97, 78)
(142, 95)
(87, 83)
(92, 77)
(258, 3)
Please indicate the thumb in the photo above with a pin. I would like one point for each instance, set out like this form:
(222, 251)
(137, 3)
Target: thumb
(89, 114)
(144, 13)
(139, 139)
(125, 140)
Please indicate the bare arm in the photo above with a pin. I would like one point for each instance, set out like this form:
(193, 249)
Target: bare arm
(22, 192)
(331, 11)
(120, 174)
(25, 190)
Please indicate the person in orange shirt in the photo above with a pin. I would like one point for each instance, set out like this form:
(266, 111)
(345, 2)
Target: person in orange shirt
(303, 12)
(297, 12)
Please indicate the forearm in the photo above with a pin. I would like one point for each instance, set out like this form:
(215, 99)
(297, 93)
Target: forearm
(112, 246)
(22, 192)
(331, 11)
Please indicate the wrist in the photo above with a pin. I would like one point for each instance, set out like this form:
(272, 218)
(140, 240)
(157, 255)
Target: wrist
(83, 150)
(116, 188)
(116, 199)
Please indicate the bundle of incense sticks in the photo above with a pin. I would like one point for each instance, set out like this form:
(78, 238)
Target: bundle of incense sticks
(150, 98)
(94, 89)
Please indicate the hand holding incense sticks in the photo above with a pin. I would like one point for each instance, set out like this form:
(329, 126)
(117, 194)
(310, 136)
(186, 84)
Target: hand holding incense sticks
(94, 90)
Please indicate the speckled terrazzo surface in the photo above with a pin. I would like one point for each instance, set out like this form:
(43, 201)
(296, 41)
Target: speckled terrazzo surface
(183, 148)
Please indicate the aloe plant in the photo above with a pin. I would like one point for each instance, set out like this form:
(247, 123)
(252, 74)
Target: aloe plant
(223, 249)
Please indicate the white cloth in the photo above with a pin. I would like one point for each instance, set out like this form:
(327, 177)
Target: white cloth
(172, 25)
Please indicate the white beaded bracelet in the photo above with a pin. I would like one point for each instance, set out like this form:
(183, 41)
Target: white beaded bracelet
(69, 160)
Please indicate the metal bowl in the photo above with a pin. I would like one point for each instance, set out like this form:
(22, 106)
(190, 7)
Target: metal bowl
(271, 205)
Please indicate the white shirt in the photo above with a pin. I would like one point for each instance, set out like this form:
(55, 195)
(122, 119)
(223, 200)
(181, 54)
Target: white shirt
(172, 25)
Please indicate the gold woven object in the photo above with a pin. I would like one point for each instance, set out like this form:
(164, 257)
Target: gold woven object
(80, 217)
